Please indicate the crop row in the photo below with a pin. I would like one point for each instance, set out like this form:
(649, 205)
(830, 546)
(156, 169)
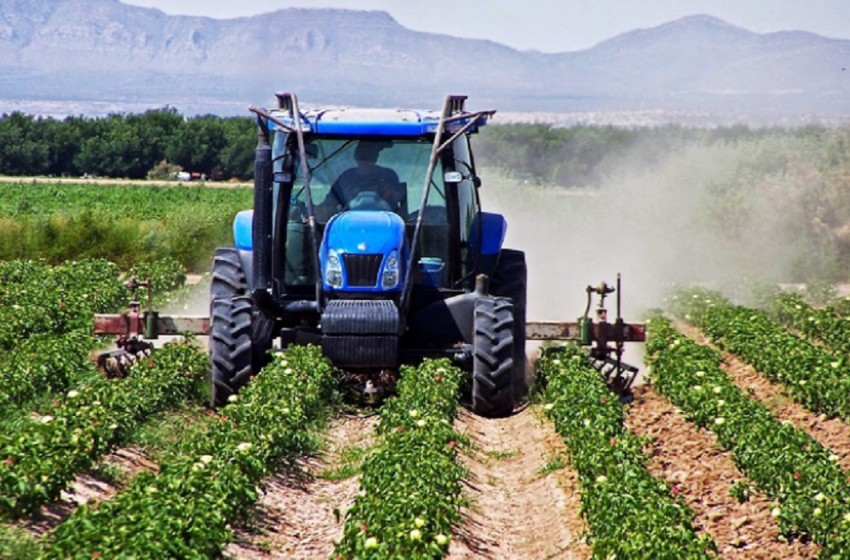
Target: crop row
(46, 319)
(36, 297)
(823, 324)
(42, 456)
(631, 514)
(185, 510)
(817, 379)
(411, 486)
(41, 363)
(783, 461)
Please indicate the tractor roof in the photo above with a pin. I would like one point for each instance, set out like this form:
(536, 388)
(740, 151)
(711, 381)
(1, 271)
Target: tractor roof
(373, 122)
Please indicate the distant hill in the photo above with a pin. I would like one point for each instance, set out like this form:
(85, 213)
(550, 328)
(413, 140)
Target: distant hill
(112, 56)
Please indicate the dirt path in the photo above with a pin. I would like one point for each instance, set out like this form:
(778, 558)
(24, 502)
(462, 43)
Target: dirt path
(518, 511)
(303, 510)
(832, 433)
(695, 465)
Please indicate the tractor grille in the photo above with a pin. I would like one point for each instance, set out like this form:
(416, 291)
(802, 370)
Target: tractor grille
(362, 270)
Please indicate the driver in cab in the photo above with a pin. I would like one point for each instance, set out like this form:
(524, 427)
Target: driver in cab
(366, 186)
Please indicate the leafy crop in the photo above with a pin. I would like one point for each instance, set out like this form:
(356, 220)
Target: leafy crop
(631, 514)
(784, 462)
(46, 315)
(124, 224)
(411, 489)
(817, 379)
(185, 510)
(42, 457)
(823, 324)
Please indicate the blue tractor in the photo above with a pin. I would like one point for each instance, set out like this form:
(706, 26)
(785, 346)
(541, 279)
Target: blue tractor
(367, 238)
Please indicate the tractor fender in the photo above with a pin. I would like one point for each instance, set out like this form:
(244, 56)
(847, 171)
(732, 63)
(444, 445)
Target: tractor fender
(243, 225)
(444, 323)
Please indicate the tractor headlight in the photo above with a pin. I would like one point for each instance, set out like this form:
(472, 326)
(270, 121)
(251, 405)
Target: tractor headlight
(333, 270)
(389, 278)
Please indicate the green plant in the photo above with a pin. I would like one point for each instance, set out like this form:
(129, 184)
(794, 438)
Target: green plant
(410, 489)
(42, 457)
(784, 462)
(185, 510)
(631, 514)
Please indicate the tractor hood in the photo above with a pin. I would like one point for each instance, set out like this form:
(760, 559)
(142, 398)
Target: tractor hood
(363, 251)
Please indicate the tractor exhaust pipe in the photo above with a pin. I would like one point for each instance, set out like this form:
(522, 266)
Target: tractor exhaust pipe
(262, 233)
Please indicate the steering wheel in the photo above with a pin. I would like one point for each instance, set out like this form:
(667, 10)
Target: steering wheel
(369, 200)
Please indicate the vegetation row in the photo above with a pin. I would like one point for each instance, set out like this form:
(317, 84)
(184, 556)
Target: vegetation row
(186, 509)
(812, 492)
(813, 376)
(411, 485)
(631, 514)
(46, 451)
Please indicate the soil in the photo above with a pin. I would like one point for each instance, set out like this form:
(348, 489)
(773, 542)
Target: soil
(516, 510)
(301, 514)
(695, 466)
(832, 433)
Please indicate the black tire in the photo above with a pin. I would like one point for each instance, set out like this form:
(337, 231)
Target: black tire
(230, 347)
(492, 365)
(510, 280)
(240, 337)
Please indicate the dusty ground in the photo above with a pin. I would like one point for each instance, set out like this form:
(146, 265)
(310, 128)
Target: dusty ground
(301, 514)
(696, 467)
(517, 511)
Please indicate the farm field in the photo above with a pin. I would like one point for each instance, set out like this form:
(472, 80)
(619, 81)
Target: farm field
(736, 445)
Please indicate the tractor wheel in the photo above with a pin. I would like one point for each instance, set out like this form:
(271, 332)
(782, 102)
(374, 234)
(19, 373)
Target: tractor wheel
(510, 280)
(492, 365)
(228, 333)
(230, 347)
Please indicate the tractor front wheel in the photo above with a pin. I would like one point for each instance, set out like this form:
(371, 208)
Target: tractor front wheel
(493, 363)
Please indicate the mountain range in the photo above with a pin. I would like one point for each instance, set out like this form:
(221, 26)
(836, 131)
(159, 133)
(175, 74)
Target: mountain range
(104, 55)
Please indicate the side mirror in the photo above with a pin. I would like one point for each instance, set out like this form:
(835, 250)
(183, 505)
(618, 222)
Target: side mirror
(282, 177)
(452, 177)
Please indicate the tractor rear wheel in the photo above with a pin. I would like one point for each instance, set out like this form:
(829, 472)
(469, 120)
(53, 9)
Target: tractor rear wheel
(492, 364)
(230, 347)
(240, 336)
(510, 280)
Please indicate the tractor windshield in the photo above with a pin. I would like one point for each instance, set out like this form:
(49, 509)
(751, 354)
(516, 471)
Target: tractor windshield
(345, 172)
(360, 174)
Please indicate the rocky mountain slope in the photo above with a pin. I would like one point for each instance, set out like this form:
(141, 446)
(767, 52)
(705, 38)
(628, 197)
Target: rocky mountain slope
(108, 52)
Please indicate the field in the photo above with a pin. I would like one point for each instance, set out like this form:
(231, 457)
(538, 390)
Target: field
(737, 444)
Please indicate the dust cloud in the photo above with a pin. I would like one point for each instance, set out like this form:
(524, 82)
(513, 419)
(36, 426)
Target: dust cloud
(655, 224)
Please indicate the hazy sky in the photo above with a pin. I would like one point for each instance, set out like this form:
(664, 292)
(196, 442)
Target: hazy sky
(550, 25)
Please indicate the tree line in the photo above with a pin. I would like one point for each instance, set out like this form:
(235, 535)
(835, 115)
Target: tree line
(160, 141)
(127, 145)
(583, 155)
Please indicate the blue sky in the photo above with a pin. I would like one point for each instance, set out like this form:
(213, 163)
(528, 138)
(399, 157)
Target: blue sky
(551, 25)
